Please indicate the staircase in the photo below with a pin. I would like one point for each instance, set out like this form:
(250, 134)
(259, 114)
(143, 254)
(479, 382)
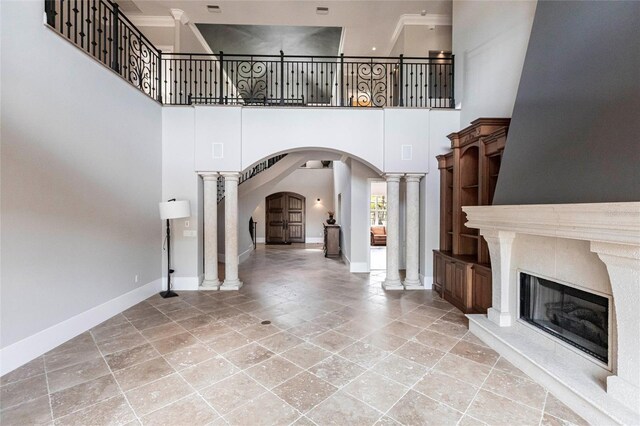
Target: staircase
(255, 170)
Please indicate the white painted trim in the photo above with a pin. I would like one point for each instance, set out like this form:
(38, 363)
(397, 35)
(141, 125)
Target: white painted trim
(245, 254)
(260, 240)
(314, 240)
(182, 283)
(600, 222)
(427, 282)
(417, 19)
(241, 257)
(346, 260)
(152, 21)
(29, 348)
(359, 267)
(200, 37)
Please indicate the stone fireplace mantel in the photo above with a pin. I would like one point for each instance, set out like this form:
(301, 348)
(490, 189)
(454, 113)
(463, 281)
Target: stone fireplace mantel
(612, 232)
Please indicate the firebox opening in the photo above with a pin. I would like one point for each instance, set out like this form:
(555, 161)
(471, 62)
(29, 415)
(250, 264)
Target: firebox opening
(574, 316)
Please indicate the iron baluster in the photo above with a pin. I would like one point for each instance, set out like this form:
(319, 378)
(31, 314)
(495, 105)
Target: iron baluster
(401, 82)
(281, 77)
(116, 38)
(221, 59)
(50, 10)
(452, 103)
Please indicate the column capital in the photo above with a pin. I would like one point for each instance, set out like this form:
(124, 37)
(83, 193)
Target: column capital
(392, 177)
(209, 175)
(413, 177)
(179, 15)
(230, 175)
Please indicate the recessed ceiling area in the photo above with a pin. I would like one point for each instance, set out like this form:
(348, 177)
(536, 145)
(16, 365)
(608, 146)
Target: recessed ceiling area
(270, 39)
(365, 23)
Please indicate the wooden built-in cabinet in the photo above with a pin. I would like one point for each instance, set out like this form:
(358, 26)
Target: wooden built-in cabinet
(468, 177)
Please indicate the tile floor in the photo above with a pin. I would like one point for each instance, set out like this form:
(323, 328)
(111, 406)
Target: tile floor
(339, 350)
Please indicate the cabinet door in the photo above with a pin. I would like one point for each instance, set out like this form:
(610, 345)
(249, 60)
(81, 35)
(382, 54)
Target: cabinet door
(449, 275)
(481, 289)
(460, 282)
(439, 276)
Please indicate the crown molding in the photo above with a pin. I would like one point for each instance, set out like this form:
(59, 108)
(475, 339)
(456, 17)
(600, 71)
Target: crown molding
(152, 21)
(417, 19)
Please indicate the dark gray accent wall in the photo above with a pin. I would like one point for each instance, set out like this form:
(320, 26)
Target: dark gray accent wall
(270, 39)
(575, 130)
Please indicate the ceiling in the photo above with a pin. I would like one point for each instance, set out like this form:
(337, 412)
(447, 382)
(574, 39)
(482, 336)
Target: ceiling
(366, 23)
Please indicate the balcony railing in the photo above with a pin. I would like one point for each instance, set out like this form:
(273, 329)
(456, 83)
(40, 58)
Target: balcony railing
(100, 29)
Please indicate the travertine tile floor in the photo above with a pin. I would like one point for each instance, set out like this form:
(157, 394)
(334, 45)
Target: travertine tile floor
(339, 350)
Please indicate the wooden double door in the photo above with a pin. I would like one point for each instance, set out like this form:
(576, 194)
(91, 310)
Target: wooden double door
(285, 218)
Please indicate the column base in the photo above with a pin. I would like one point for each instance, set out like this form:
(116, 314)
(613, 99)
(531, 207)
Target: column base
(500, 318)
(413, 285)
(392, 285)
(228, 285)
(210, 285)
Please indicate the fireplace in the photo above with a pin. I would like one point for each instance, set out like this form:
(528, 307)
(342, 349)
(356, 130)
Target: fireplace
(574, 316)
(565, 301)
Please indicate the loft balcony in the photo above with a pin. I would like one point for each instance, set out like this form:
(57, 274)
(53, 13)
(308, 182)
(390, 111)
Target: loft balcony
(99, 28)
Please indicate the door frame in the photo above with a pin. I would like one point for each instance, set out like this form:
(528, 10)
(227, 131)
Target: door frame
(286, 194)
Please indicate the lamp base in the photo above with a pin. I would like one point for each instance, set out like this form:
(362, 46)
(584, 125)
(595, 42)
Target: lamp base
(168, 293)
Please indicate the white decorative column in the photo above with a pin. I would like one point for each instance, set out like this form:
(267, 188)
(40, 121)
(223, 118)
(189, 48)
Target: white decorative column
(623, 265)
(392, 281)
(231, 281)
(412, 279)
(500, 243)
(211, 281)
(179, 18)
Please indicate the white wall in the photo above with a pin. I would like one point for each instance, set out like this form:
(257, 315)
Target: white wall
(359, 229)
(358, 131)
(312, 184)
(418, 40)
(81, 181)
(489, 43)
(342, 189)
(181, 182)
(441, 123)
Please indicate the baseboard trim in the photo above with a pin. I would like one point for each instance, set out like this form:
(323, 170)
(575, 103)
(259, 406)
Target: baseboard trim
(314, 240)
(245, 254)
(427, 282)
(183, 283)
(358, 267)
(260, 240)
(29, 348)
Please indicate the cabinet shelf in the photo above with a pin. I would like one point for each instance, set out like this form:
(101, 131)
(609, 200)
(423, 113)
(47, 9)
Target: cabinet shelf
(469, 236)
(468, 176)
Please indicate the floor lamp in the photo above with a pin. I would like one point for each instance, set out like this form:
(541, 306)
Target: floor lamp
(172, 209)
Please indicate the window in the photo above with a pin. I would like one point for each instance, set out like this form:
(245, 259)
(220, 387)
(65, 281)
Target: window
(378, 210)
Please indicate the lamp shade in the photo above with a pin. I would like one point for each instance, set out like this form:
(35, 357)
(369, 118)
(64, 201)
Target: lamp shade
(175, 209)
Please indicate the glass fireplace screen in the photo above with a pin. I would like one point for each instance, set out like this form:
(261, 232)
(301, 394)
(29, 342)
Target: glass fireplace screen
(572, 315)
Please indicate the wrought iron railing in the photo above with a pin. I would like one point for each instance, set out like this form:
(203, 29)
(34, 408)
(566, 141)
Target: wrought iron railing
(308, 80)
(257, 169)
(100, 29)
